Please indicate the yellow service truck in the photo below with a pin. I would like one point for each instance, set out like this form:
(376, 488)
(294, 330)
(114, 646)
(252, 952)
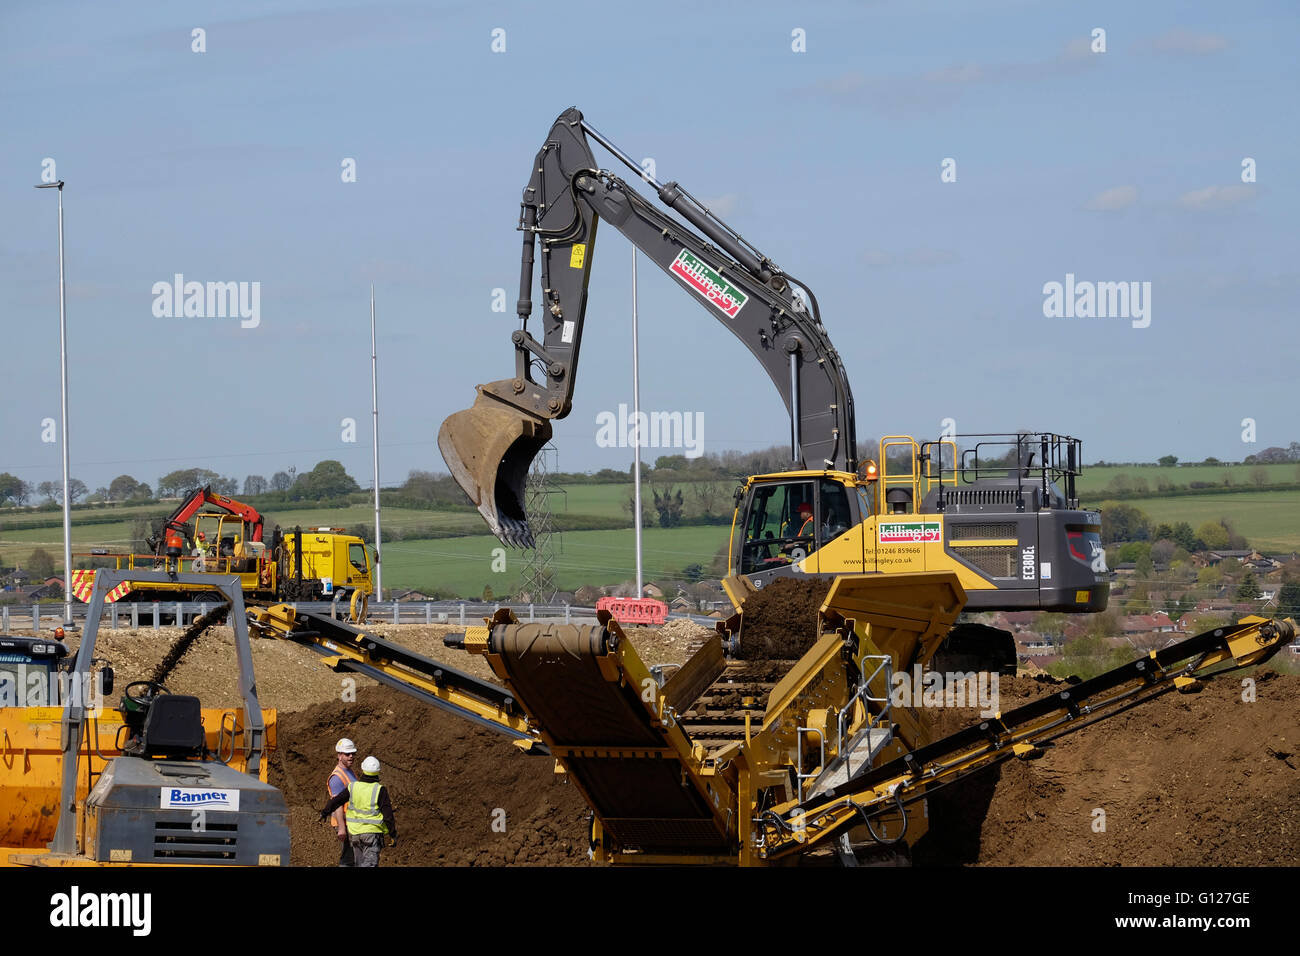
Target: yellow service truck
(303, 564)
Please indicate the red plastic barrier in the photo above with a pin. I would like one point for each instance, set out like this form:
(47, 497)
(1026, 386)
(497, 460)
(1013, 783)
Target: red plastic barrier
(634, 610)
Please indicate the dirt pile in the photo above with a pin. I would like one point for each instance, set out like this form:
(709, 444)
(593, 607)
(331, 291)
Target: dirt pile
(780, 621)
(450, 781)
(1201, 779)
(684, 631)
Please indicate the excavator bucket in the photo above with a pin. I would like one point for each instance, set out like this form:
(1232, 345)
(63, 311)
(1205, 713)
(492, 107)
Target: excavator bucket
(489, 448)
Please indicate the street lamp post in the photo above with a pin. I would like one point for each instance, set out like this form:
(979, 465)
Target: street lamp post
(63, 378)
(374, 407)
(636, 418)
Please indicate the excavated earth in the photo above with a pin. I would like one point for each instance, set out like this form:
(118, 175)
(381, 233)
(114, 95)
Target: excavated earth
(1188, 779)
(780, 621)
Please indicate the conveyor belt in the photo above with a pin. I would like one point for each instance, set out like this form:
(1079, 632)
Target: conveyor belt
(432, 682)
(583, 691)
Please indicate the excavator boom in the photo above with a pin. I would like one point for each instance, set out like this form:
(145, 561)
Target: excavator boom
(490, 446)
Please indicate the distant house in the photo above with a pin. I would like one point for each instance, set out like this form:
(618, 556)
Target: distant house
(32, 594)
(1214, 557)
(17, 578)
(1042, 662)
(652, 590)
(1214, 606)
(1158, 623)
(1029, 644)
(1018, 620)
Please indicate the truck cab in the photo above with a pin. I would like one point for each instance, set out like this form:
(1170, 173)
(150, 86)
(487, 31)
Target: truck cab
(317, 562)
(29, 671)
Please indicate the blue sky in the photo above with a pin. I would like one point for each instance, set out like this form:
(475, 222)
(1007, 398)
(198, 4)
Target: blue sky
(225, 166)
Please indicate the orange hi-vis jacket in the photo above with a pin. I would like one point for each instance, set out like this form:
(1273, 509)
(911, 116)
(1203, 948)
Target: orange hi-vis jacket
(346, 778)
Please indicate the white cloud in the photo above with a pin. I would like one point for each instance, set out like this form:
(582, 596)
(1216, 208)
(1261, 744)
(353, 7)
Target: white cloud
(935, 88)
(1118, 197)
(921, 256)
(1216, 197)
(1179, 40)
(966, 73)
(723, 206)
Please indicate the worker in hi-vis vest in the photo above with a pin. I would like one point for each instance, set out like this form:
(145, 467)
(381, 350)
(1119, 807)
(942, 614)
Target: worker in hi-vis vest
(370, 814)
(340, 778)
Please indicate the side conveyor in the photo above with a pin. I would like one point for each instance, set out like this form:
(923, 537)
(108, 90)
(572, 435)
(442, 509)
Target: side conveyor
(348, 648)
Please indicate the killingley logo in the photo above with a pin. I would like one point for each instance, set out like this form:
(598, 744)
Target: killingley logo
(210, 300)
(720, 293)
(910, 531)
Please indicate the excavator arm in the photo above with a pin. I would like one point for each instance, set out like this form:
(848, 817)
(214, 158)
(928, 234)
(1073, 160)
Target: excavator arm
(490, 446)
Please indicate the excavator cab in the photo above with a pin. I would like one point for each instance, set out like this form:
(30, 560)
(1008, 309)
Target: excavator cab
(785, 518)
(223, 543)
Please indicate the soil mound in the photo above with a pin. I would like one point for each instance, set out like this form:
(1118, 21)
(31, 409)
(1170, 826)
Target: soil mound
(780, 621)
(449, 781)
(1205, 779)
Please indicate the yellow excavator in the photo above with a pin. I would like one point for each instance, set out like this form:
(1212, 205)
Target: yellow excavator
(1000, 512)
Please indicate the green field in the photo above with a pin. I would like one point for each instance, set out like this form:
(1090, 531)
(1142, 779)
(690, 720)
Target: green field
(1270, 520)
(464, 565)
(1096, 478)
(611, 501)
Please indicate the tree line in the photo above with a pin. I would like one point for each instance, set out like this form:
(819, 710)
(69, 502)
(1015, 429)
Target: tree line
(328, 479)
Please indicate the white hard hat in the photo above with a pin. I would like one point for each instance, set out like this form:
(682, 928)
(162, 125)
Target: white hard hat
(370, 765)
(345, 746)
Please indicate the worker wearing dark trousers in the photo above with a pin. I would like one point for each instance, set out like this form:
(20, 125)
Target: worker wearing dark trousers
(340, 778)
(370, 814)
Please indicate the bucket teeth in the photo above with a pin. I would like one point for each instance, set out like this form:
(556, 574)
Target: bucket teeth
(489, 449)
(514, 532)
